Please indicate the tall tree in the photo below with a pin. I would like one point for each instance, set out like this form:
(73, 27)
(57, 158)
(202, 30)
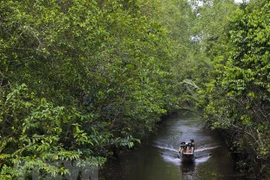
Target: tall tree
(239, 96)
(78, 78)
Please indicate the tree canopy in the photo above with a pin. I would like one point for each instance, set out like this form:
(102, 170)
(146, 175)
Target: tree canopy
(238, 92)
(78, 78)
(81, 79)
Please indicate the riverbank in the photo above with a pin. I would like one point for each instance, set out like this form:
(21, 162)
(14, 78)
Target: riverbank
(244, 160)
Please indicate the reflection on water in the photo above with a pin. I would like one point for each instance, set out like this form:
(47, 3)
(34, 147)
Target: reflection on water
(158, 159)
(187, 169)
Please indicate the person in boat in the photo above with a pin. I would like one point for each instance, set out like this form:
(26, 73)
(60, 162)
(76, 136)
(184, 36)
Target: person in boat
(187, 148)
(182, 148)
(192, 144)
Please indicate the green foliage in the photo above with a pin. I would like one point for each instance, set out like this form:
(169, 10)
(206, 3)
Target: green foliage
(238, 98)
(76, 79)
(178, 17)
(31, 132)
(80, 78)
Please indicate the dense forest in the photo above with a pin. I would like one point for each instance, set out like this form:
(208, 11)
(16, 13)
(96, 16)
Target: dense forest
(81, 80)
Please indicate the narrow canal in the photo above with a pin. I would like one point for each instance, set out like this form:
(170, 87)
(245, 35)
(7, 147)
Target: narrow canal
(157, 159)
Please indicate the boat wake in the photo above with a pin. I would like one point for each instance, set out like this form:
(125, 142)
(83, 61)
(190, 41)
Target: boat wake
(202, 159)
(206, 148)
(172, 158)
(175, 150)
(166, 148)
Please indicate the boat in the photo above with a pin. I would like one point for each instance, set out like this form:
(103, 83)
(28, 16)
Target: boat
(187, 151)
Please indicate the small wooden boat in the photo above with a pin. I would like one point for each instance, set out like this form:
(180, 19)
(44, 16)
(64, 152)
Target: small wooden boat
(186, 151)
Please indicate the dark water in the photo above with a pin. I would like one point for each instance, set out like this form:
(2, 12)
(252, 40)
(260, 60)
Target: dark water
(157, 160)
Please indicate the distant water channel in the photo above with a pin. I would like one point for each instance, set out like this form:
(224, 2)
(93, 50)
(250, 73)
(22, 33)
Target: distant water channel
(157, 159)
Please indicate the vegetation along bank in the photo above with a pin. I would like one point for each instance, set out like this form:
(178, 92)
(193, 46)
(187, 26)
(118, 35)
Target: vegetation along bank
(79, 79)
